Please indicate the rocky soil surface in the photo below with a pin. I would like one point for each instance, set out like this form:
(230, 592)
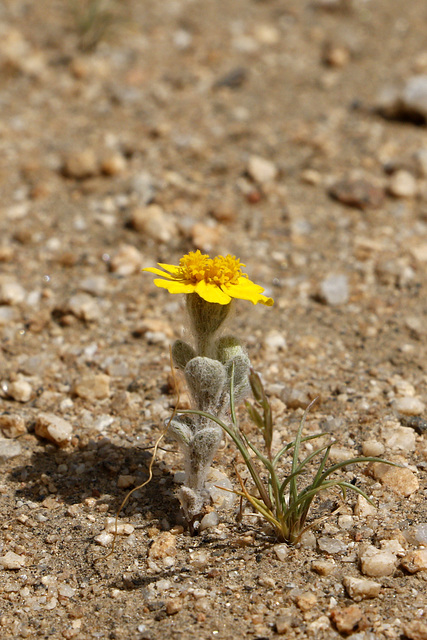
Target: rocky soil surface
(293, 135)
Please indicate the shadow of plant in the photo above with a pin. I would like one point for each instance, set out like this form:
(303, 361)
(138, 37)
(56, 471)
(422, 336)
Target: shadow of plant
(71, 476)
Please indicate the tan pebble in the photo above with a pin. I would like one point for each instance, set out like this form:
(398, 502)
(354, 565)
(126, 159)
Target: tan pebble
(372, 448)
(399, 479)
(323, 567)
(403, 184)
(409, 406)
(261, 170)
(153, 222)
(20, 390)
(337, 56)
(84, 307)
(155, 325)
(283, 624)
(205, 237)
(93, 387)
(358, 588)
(6, 253)
(401, 438)
(81, 164)
(340, 454)
(163, 546)
(223, 212)
(346, 619)
(121, 528)
(415, 561)
(415, 630)
(12, 560)
(53, 428)
(113, 164)
(281, 551)
(126, 261)
(376, 562)
(306, 601)
(104, 538)
(419, 252)
(363, 508)
(173, 606)
(11, 293)
(124, 481)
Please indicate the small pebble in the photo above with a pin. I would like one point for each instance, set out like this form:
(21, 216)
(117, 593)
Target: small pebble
(104, 538)
(360, 588)
(376, 562)
(209, 521)
(126, 261)
(93, 387)
(53, 428)
(419, 252)
(20, 390)
(358, 193)
(122, 528)
(205, 236)
(331, 545)
(415, 630)
(11, 293)
(154, 223)
(81, 164)
(323, 567)
(281, 551)
(125, 481)
(9, 449)
(372, 449)
(113, 164)
(346, 619)
(401, 438)
(199, 559)
(409, 406)
(173, 606)
(334, 289)
(414, 95)
(306, 601)
(12, 560)
(261, 170)
(84, 307)
(295, 398)
(275, 341)
(12, 425)
(363, 508)
(415, 561)
(403, 184)
(284, 624)
(164, 546)
(400, 480)
(65, 591)
(96, 285)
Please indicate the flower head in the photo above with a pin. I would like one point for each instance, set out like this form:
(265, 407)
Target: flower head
(216, 280)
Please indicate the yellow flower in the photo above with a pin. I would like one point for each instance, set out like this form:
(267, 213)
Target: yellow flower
(215, 280)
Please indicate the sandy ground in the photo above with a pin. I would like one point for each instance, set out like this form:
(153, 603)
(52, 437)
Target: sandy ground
(245, 127)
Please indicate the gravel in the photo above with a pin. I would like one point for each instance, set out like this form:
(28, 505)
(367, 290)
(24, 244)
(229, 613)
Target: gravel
(247, 129)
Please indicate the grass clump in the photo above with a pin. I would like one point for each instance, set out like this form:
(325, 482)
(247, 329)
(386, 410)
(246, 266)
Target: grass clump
(282, 502)
(94, 20)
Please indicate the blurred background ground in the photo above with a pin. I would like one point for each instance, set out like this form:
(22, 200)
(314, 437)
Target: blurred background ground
(291, 134)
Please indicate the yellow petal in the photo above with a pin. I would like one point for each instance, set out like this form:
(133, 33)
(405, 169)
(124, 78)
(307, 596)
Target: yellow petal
(211, 293)
(245, 289)
(173, 286)
(172, 268)
(159, 272)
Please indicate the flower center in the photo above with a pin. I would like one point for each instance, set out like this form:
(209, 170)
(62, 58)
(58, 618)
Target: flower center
(221, 270)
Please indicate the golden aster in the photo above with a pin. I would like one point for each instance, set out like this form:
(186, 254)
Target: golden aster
(217, 280)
